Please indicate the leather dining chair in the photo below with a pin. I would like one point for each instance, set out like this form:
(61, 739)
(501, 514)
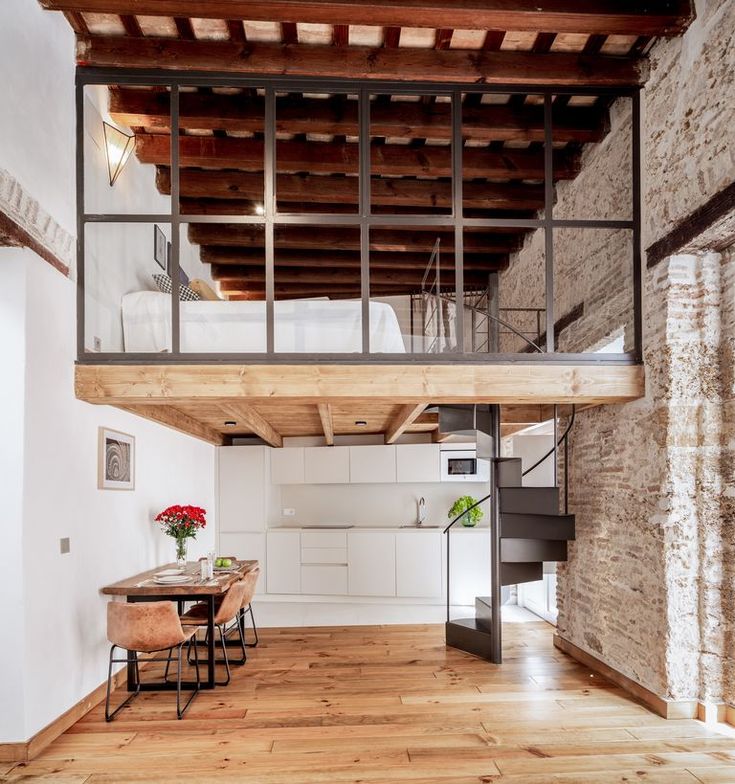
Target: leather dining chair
(227, 612)
(147, 627)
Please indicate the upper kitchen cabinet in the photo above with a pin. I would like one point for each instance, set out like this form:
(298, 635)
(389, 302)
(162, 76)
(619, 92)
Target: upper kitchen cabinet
(418, 463)
(373, 464)
(241, 477)
(327, 465)
(287, 466)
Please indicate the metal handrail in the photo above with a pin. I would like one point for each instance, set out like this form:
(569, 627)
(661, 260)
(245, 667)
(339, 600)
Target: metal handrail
(555, 447)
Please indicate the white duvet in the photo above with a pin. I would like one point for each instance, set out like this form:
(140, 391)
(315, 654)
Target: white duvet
(311, 326)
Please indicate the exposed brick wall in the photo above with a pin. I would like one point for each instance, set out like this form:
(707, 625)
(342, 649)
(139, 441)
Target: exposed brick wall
(650, 584)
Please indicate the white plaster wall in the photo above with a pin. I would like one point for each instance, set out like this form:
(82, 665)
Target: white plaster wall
(37, 96)
(112, 533)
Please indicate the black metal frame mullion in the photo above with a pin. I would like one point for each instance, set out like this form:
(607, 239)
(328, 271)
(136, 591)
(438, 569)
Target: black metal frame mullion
(365, 210)
(637, 255)
(458, 214)
(269, 205)
(548, 221)
(175, 224)
(81, 223)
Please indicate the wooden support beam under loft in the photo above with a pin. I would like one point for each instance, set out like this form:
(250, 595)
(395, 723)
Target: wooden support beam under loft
(605, 17)
(358, 62)
(403, 419)
(325, 414)
(246, 416)
(177, 420)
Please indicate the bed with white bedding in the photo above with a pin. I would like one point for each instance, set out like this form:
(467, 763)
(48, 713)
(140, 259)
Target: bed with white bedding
(305, 326)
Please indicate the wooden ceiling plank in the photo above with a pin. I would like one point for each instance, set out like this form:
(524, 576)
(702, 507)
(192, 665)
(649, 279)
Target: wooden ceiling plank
(486, 123)
(343, 158)
(194, 183)
(332, 383)
(247, 416)
(414, 65)
(325, 414)
(563, 16)
(405, 417)
(177, 420)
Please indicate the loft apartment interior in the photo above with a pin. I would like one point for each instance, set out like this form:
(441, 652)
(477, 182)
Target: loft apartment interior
(368, 394)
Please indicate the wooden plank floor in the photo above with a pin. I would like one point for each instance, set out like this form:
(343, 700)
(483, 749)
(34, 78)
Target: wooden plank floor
(391, 704)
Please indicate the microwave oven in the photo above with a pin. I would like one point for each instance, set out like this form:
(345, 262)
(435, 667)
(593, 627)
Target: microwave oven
(463, 466)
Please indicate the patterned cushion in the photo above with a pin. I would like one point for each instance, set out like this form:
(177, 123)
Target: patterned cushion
(165, 285)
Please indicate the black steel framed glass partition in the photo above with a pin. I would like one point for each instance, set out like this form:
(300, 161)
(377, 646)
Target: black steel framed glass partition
(408, 241)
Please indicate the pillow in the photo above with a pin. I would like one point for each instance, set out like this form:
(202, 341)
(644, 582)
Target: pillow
(165, 285)
(204, 290)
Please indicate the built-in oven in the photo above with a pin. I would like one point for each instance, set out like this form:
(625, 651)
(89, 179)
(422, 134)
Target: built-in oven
(463, 465)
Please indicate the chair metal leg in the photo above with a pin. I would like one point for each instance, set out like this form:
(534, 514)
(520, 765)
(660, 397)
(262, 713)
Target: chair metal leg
(224, 654)
(132, 656)
(255, 628)
(179, 710)
(240, 621)
(169, 655)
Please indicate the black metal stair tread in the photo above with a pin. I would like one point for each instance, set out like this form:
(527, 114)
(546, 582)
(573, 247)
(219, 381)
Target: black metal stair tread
(544, 527)
(469, 623)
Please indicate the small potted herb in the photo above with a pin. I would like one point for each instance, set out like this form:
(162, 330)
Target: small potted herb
(471, 518)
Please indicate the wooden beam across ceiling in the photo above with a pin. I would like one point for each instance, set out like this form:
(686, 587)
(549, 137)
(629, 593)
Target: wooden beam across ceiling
(403, 419)
(357, 62)
(607, 17)
(325, 414)
(178, 420)
(245, 416)
(405, 119)
(214, 152)
(246, 186)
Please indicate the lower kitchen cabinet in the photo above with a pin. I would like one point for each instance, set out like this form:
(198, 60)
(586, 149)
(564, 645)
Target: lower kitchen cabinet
(371, 558)
(284, 561)
(419, 564)
(327, 579)
(469, 564)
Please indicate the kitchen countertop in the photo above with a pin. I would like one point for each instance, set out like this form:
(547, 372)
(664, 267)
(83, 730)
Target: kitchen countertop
(393, 528)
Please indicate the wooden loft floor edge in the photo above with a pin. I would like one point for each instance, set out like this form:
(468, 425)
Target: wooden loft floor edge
(513, 383)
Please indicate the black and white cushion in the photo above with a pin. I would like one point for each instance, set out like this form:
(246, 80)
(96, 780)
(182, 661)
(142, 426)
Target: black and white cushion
(165, 285)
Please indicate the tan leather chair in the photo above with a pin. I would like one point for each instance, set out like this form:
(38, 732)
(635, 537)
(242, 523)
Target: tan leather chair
(225, 613)
(147, 627)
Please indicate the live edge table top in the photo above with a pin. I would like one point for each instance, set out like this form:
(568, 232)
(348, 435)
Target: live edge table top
(142, 584)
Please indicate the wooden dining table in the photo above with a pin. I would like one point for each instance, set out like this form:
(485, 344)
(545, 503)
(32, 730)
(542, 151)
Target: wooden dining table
(142, 588)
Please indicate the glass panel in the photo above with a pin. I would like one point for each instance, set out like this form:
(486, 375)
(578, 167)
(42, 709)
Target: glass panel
(127, 157)
(520, 323)
(124, 309)
(593, 290)
(596, 130)
(318, 306)
(317, 153)
(503, 155)
(411, 154)
(224, 263)
(412, 290)
(221, 151)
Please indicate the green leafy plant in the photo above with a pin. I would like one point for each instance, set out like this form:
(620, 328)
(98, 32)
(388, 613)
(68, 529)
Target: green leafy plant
(472, 518)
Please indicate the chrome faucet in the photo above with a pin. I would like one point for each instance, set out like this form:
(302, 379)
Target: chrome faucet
(421, 514)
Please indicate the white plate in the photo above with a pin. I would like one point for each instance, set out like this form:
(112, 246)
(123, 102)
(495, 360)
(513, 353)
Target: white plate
(168, 572)
(172, 579)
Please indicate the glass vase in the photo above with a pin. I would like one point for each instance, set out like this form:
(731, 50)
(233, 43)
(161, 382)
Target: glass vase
(181, 553)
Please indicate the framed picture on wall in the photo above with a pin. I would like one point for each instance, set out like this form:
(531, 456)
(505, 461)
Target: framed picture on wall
(115, 460)
(160, 248)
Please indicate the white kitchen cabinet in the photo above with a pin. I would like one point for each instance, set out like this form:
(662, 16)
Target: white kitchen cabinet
(373, 464)
(284, 561)
(327, 579)
(326, 465)
(469, 562)
(418, 463)
(287, 466)
(241, 478)
(371, 557)
(246, 547)
(419, 564)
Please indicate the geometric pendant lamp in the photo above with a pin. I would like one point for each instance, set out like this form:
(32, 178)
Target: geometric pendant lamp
(118, 148)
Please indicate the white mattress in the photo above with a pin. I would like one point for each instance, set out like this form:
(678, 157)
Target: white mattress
(311, 326)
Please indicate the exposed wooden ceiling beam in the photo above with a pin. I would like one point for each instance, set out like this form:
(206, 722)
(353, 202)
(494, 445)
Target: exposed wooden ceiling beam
(243, 113)
(227, 263)
(212, 152)
(178, 420)
(246, 416)
(402, 420)
(417, 238)
(414, 65)
(610, 17)
(256, 293)
(245, 186)
(325, 414)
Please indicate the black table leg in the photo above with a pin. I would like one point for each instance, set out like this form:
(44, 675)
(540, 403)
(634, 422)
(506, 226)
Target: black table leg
(131, 664)
(210, 642)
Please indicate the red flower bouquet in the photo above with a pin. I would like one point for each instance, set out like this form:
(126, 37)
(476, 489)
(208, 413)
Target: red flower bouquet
(182, 523)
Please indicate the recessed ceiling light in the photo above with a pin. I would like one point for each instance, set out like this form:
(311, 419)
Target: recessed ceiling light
(361, 423)
(230, 423)
(259, 209)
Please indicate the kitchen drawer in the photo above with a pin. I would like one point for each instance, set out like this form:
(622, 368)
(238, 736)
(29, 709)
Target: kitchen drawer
(323, 579)
(323, 539)
(324, 555)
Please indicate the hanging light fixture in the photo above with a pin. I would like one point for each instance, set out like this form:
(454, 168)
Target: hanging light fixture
(118, 148)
